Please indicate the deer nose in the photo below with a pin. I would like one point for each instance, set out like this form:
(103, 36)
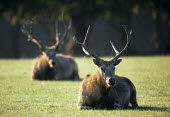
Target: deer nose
(53, 63)
(111, 81)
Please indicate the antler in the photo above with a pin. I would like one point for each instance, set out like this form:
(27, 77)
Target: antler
(66, 28)
(116, 51)
(31, 38)
(118, 54)
(84, 47)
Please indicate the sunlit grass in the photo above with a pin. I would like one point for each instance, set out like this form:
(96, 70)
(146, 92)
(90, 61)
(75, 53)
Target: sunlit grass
(19, 96)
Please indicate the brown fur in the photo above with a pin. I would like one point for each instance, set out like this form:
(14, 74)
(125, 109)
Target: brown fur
(65, 68)
(50, 65)
(104, 89)
(96, 93)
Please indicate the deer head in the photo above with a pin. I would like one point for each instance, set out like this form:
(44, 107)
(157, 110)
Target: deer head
(107, 68)
(48, 51)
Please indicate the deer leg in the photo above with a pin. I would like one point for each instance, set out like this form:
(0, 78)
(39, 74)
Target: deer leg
(75, 76)
(84, 102)
(133, 99)
(112, 99)
(84, 107)
(117, 102)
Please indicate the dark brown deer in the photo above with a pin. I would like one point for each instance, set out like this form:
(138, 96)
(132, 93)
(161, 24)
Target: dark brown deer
(51, 65)
(105, 89)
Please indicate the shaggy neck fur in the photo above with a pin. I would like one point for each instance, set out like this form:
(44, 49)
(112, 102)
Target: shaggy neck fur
(96, 80)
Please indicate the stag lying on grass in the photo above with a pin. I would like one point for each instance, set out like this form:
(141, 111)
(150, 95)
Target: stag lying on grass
(50, 65)
(105, 89)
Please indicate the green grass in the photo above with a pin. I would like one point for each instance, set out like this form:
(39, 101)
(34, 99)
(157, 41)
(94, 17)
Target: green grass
(19, 96)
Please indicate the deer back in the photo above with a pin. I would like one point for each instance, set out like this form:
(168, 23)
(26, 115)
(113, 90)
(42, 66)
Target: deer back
(65, 67)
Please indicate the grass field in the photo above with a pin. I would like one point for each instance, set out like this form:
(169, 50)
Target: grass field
(19, 96)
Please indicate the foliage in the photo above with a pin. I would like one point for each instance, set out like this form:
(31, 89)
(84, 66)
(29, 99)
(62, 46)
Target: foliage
(17, 10)
(84, 10)
(19, 96)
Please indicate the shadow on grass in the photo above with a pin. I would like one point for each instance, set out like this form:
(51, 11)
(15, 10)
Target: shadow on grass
(141, 108)
(149, 108)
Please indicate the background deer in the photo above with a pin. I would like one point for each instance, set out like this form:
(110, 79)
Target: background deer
(105, 89)
(51, 65)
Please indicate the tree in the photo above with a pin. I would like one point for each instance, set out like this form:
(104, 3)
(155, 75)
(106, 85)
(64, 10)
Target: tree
(84, 12)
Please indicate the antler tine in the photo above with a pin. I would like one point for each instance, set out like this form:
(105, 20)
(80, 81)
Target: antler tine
(127, 44)
(56, 33)
(116, 51)
(84, 47)
(66, 28)
(31, 38)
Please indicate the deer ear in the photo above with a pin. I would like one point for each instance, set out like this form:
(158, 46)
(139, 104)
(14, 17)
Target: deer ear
(117, 62)
(96, 62)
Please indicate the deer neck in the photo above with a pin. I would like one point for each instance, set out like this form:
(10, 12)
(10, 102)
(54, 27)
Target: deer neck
(101, 80)
(44, 62)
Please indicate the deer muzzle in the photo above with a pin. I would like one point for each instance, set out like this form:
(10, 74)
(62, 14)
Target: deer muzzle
(52, 63)
(110, 81)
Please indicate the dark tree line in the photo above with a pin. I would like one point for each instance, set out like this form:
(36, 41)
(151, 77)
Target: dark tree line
(85, 12)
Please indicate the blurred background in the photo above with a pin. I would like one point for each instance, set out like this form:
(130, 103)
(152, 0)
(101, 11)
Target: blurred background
(149, 20)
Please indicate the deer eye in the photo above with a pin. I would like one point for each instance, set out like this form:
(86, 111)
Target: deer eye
(103, 70)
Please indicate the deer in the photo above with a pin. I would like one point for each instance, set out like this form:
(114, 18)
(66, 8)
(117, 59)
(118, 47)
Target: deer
(104, 89)
(50, 64)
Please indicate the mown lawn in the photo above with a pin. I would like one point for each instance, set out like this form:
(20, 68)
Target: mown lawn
(20, 96)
